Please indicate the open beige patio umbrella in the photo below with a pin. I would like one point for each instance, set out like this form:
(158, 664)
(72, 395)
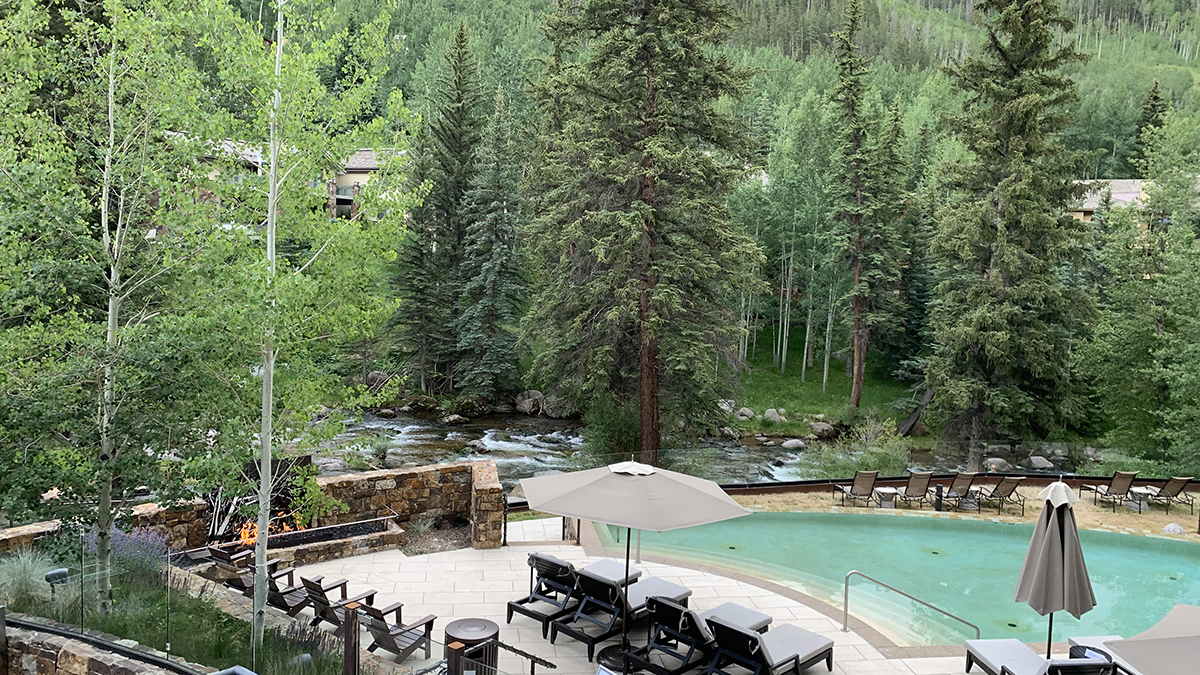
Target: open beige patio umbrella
(1170, 647)
(1054, 577)
(633, 496)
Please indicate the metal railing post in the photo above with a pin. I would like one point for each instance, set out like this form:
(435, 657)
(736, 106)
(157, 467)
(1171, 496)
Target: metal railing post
(350, 656)
(3, 642)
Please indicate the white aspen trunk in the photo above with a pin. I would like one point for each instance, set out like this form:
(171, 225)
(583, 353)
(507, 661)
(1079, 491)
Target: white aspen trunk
(268, 358)
(808, 334)
(828, 342)
(787, 325)
(779, 325)
(112, 239)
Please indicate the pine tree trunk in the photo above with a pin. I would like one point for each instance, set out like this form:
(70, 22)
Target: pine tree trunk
(648, 356)
(828, 343)
(860, 330)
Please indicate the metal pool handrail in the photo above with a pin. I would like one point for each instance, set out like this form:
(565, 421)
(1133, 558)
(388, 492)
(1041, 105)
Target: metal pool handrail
(846, 602)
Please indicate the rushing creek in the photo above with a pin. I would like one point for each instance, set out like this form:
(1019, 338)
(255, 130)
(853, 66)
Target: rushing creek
(521, 446)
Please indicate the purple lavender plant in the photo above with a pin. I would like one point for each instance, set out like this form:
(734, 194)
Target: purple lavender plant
(140, 551)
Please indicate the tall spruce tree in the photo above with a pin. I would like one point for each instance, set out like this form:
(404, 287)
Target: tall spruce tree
(420, 283)
(1003, 318)
(641, 260)
(491, 269)
(1152, 115)
(866, 184)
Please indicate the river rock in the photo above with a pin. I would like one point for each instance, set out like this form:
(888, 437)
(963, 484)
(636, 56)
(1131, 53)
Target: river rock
(1038, 463)
(454, 419)
(726, 406)
(405, 409)
(730, 433)
(331, 464)
(769, 443)
(745, 413)
(823, 430)
(1173, 528)
(376, 378)
(501, 409)
(554, 407)
(385, 413)
(996, 464)
(792, 444)
(1091, 453)
(782, 411)
(478, 446)
(773, 415)
(529, 402)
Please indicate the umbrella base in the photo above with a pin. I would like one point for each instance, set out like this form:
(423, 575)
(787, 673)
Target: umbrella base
(612, 657)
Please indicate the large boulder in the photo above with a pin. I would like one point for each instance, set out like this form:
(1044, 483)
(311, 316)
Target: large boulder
(730, 433)
(529, 402)
(385, 413)
(726, 406)
(823, 430)
(376, 378)
(792, 444)
(1038, 463)
(745, 413)
(1173, 528)
(773, 415)
(454, 419)
(997, 464)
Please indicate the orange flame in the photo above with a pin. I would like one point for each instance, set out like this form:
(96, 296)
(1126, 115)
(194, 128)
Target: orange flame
(248, 533)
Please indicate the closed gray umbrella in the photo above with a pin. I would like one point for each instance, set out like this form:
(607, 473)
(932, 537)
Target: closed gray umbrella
(1054, 577)
(633, 496)
(1170, 647)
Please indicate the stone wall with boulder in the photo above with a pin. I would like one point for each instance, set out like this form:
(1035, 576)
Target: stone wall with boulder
(33, 652)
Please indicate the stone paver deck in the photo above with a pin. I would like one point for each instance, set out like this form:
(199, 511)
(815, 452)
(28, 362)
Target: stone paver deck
(471, 583)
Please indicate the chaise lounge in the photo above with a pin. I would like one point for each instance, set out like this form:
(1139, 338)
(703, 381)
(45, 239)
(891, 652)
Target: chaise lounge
(782, 649)
(555, 592)
(862, 488)
(1013, 657)
(1117, 490)
(1005, 492)
(681, 639)
(1173, 493)
(599, 614)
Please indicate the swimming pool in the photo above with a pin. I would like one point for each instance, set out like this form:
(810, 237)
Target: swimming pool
(968, 568)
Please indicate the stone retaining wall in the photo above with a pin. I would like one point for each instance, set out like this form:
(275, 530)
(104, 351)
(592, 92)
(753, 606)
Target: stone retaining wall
(470, 490)
(40, 653)
(306, 554)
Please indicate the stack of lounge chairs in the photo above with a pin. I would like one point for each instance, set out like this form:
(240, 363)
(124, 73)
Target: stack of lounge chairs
(1013, 657)
(590, 604)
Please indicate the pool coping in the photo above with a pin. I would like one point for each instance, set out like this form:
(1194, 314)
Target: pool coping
(591, 544)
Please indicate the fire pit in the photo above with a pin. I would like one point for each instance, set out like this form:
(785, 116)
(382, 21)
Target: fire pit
(317, 544)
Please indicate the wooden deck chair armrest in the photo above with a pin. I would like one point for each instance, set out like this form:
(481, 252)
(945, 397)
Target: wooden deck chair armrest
(285, 572)
(394, 607)
(368, 597)
(425, 621)
(329, 586)
(273, 564)
(248, 553)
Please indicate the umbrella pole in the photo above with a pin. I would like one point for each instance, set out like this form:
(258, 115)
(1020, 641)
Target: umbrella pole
(1050, 636)
(625, 610)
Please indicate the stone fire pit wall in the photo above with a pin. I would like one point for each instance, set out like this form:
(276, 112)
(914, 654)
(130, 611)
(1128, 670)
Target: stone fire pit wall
(468, 489)
(471, 490)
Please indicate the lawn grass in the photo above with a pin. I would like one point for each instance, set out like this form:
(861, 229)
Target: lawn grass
(764, 387)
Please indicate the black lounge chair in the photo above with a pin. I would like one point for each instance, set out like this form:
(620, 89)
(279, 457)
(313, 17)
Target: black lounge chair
(916, 490)
(603, 604)
(399, 639)
(781, 649)
(555, 592)
(1005, 492)
(1117, 490)
(1173, 493)
(333, 610)
(1013, 657)
(862, 488)
(681, 639)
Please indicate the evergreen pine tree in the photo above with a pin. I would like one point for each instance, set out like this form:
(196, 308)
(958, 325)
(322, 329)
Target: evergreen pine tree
(1153, 114)
(1003, 318)
(641, 259)
(869, 173)
(419, 281)
(491, 270)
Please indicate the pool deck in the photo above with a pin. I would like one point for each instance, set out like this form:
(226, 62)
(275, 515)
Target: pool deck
(479, 583)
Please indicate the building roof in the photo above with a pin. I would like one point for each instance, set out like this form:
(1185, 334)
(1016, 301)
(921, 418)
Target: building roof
(1125, 191)
(362, 160)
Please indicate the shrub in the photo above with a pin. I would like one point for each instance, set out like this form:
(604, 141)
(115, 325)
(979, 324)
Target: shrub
(612, 434)
(23, 584)
(873, 446)
(141, 551)
(422, 522)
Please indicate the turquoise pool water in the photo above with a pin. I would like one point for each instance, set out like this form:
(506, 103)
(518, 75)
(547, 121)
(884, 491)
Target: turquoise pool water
(968, 568)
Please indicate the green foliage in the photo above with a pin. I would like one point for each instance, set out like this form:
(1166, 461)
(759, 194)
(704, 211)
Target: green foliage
(1152, 115)
(1003, 318)
(611, 434)
(308, 500)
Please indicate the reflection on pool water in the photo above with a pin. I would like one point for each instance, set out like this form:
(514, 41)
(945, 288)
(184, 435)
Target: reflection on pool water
(968, 568)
